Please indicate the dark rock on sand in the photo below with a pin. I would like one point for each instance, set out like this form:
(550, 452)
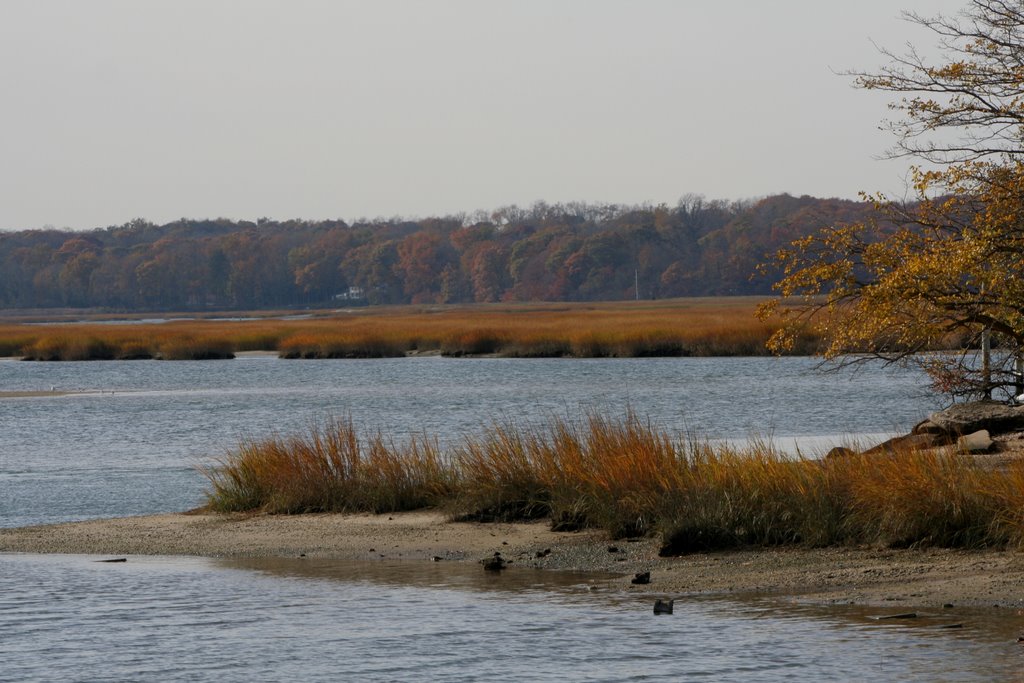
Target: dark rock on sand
(927, 427)
(909, 442)
(494, 564)
(965, 418)
(976, 442)
(840, 452)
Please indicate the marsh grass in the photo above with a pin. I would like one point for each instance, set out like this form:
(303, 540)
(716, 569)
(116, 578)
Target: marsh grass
(329, 469)
(932, 498)
(630, 478)
(680, 327)
(327, 345)
(195, 348)
(70, 348)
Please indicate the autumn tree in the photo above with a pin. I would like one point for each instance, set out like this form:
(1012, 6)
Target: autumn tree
(946, 269)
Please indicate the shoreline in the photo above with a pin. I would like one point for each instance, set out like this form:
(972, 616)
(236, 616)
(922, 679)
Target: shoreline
(928, 578)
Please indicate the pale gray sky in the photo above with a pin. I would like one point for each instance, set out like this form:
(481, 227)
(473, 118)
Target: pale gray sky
(314, 109)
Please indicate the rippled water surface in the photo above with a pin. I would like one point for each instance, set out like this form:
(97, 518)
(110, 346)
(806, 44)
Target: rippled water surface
(71, 618)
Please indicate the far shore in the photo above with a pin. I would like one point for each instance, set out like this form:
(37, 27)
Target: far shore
(928, 579)
(38, 394)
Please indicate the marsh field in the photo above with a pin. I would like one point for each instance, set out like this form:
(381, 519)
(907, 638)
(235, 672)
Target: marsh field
(722, 326)
(88, 440)
(610, 467)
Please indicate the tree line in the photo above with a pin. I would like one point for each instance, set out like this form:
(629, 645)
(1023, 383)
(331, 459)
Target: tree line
(545, 252)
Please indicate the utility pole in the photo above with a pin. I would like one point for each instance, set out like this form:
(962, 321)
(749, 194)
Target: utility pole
(986, 362)
(636, 283)
(1018, 376)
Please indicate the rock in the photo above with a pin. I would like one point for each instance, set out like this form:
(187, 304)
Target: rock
(641, 578)
(976, 442)
(965, 418)
(494, 564)
(927, 427)
(910, 442)
(840, 452)
(663, 606)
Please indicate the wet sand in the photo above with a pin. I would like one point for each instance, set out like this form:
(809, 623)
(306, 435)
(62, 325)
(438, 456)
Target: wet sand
(867, 576)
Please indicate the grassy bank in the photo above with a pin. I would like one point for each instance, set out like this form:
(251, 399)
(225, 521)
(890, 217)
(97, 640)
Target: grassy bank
(679, 327)
(630, 478)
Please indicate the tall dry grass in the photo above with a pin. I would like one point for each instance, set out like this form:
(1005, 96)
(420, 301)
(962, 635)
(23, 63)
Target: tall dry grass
(331, 468)
(630, 478)
(679, 327)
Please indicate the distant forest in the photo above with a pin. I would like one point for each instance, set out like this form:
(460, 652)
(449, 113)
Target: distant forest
(547, 252)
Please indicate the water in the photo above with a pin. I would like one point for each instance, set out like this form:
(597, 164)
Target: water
(184, 619)
(130, 444)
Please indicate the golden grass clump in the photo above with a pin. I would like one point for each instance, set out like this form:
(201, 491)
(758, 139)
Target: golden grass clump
(756, 495)
(928, 497)
(474, 341)
(340, 345)
(330, 469)
(196, 348)
(14, 344)
(631, 478)
(70, 348)
(501, 476)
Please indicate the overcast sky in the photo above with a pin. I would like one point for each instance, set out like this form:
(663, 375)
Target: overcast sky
(344, 109)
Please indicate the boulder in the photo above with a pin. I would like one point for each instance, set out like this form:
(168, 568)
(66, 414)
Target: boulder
(976, 442)
(927, 427)
(641, 578)
(910, 442)
(840, 452)
(966, 418)
(494, 564)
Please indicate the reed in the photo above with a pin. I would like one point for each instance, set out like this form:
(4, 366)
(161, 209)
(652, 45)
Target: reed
(630, 478)
(500, 476)
(679, 327)
(70, 348)
(330, 469)
(193, 348)
(628, 470)
(929, 498)
(14, 345)
(732, 497)
(352, 345)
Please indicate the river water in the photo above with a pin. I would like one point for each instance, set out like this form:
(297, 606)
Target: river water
(128, 438)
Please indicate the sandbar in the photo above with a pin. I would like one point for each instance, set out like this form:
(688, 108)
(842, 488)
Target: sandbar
(926, 578)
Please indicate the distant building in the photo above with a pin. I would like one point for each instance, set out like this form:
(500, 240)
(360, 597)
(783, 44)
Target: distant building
(353, 294)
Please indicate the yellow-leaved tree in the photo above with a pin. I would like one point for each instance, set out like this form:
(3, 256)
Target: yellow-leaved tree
(947, 268)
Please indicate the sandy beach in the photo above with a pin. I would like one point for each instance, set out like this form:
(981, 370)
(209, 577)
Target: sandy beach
(928, 578)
